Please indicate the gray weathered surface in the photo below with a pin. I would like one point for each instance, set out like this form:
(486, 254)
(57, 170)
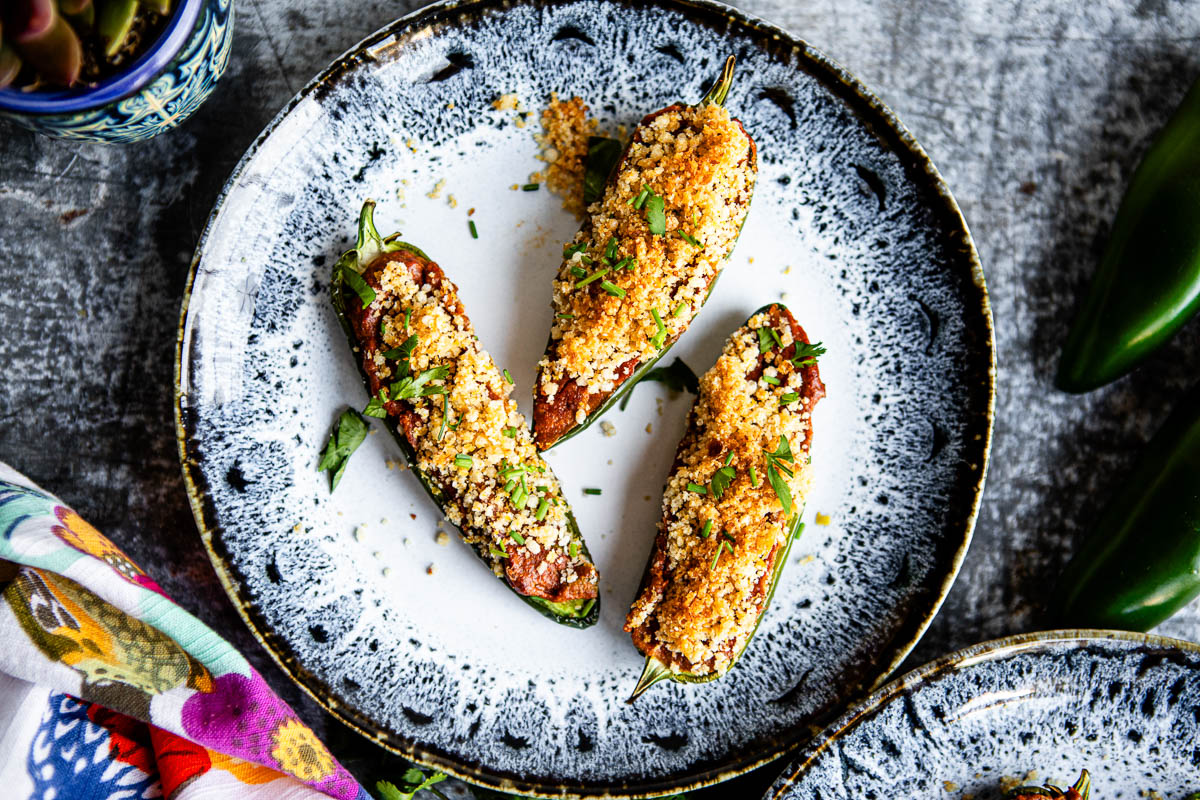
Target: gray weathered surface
(1036, 113)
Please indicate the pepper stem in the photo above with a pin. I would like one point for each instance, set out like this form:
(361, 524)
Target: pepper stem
(1083, 786)
(652, 673)
(369, 245)
(720, 90)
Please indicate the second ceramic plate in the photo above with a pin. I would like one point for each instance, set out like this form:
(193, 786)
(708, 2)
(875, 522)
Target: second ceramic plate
(412, 641)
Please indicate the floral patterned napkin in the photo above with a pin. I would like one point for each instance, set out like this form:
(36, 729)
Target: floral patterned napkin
(109, 690)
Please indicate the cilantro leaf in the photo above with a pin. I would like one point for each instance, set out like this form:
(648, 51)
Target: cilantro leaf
(404, 351)
(656, 218)
(776, 465)
(375, 406)
(348, 433)
(721, 480)
(807, 354)
(678, 377)
(781, 488)
(768, 337)
(412, 387)
(602, 155)
(414, 781)
(783, 452)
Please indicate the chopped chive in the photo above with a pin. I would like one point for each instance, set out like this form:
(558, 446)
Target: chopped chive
(705, 530)
(771, 379)
(595, 276)
(565, 316)
(722, 547)
(583, 612)
(688, 238)
(578, 272)
(678, 310)
(445, 415)
(591, 491)
(407, 316)
(610, 250)
(530, 187)
(510, 432)
(613, 289)
(498, 553)
(641, 198)
(572, 249)
(697, 488)
(799, 530)
(659, 338)
(508, 487)
(544, 489)
(463, 461)
(519, 496)
(753, 477)
(775, 335)
(790, 397)
(543, 505)
(516, 537)
(508, 376)
(474, 230)
(573, 549)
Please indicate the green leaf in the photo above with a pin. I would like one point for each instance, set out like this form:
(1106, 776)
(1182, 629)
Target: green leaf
(721, 480)
(781, 488)
(348, 433)
(603, 154)
(783, 452)
(404, 351)
(411, 387)
(656, 218)
(678, 377)
(807, 354)
(361, 288)
(375, 406)
(768, 337)
(414, 781)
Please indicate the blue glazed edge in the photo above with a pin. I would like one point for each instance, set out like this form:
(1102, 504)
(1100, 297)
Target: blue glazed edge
(147, 67)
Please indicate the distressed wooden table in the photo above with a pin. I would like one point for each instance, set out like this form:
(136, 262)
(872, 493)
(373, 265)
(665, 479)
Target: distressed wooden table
(1036, 113)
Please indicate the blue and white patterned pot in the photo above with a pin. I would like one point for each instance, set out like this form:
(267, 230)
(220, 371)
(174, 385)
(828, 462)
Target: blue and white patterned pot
(164, 86)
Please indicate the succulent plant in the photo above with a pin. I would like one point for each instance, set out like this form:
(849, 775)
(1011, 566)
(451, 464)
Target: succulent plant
(52, 42)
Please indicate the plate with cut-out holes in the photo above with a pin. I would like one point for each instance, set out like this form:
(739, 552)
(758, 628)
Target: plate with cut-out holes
(1034, 709)
(404, 634)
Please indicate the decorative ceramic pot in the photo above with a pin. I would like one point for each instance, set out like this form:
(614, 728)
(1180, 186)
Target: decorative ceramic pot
(162, 88)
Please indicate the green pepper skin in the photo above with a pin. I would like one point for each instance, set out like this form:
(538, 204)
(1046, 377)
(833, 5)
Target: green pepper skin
(1148, 282)
(1141, 564)
(573, 613)
(716, 95)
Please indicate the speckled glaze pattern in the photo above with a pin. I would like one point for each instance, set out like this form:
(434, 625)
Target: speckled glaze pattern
(164, 103)
(851, 226)
(1034, 708)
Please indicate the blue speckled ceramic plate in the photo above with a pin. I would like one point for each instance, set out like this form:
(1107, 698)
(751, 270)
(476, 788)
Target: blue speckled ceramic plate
(851, 225)
(1030, 709)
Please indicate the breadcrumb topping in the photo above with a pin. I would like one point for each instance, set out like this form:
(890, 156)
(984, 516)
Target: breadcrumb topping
(471, 441)
(702, 164)
(564, 142)
(721, 532)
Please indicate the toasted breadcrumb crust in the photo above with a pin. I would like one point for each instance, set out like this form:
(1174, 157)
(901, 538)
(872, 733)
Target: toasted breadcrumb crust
(564, 142)
(702, 163)
(483, 427)
(701, 601)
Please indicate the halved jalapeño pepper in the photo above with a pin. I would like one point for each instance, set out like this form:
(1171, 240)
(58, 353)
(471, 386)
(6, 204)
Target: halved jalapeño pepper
(450, 410)
(732, 505)
(1141, 563)
(644, 262)
(1080, 791)
(1148, 282)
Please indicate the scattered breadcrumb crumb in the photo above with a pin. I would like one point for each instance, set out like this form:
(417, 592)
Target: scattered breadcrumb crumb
(296, 528)
(822, 519)
(358, 533)
(786, 270)
(515, 186)
(451, 201)
(437, 190)
(387, 572)
(432, 568)
(507, 102)
(450, 105)
(564, 142)
(442, 538)
(649, 428)
(608, 429)
(411, 144)
(806, 559)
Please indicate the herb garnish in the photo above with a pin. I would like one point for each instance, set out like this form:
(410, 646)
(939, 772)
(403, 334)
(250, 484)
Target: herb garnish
(473, 229)
(705, 530)
(508, 376)
(689, 239)
(753, 477)
(659, 338)
(721, 548)
(696, 488)
(721, 480)
(637, 202)
(771, 379)
(612, 289)
(498, 553)
(595, 276)
(516, 537)
(543, 505)
(678, 310)
(463, 461)
(410, 387)
(578, 272)
(414, 779)
(404, 352)
(573, 549)
(777, 462)
(530, 187)
(807, 354)
(510, 432)
(348, 433)
(768, 337)
(790, 397)
(445, 415)
(610, 250)
(361, 288)
(565, 316)
(656, 218)
(571, 249)
(591, 491)
(375, 406)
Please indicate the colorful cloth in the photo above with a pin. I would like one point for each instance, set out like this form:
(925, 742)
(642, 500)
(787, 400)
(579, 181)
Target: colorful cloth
(110, 691)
